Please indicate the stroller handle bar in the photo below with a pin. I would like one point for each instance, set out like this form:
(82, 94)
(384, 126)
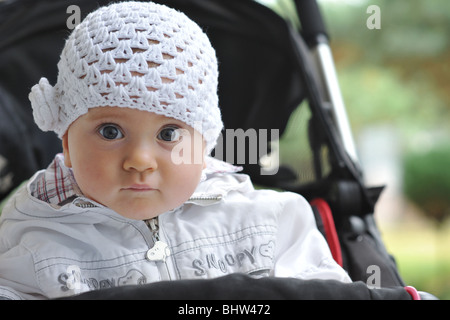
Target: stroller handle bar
(315, 35)
(332, 94)
(311, 21)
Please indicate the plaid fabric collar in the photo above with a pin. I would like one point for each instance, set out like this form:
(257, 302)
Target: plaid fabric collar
(57, 185)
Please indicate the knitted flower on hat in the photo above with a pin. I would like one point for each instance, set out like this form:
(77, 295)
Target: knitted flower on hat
(138, 55)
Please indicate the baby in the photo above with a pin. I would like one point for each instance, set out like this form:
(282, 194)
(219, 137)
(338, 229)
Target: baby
(135, 197)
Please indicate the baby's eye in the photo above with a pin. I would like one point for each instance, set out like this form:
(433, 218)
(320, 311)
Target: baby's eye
(169, 134)
(110, 132)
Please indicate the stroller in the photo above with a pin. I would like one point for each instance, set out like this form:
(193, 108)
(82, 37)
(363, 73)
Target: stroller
(292, 70)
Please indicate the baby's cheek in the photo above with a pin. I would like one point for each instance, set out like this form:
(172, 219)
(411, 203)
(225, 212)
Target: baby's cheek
(187, 178)
(95, 183)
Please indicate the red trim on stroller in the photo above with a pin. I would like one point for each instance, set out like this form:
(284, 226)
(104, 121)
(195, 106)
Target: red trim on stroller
(330, 230)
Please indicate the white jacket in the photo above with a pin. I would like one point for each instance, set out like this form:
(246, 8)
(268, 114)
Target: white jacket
(227, 226)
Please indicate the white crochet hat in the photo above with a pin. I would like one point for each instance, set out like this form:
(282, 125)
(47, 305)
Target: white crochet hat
(138, 55)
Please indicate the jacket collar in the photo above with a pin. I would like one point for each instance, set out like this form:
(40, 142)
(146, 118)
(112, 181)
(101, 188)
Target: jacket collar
(56, 185)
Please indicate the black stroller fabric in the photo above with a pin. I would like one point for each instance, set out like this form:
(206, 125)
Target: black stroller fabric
(243, 287)
(263, 76)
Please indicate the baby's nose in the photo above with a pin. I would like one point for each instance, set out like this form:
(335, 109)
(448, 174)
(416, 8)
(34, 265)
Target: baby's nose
(140, 158)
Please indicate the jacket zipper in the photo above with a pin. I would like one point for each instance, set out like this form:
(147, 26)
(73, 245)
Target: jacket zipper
(160, 250)
(212, 197)
(85, 205)
(206, 199)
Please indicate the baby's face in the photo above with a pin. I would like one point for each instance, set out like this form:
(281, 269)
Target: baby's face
(137, 163)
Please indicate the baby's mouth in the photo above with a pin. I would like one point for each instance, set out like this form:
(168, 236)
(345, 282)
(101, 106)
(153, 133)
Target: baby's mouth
(139, 188)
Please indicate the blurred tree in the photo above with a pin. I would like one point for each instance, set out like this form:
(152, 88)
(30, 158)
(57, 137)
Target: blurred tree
(399, 73)
(427, 182)
(411, 28)
(413, 39)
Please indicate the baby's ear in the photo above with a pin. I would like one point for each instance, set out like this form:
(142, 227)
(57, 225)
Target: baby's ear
(65, 145)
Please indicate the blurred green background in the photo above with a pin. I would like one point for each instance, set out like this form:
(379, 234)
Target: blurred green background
(395, 81)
